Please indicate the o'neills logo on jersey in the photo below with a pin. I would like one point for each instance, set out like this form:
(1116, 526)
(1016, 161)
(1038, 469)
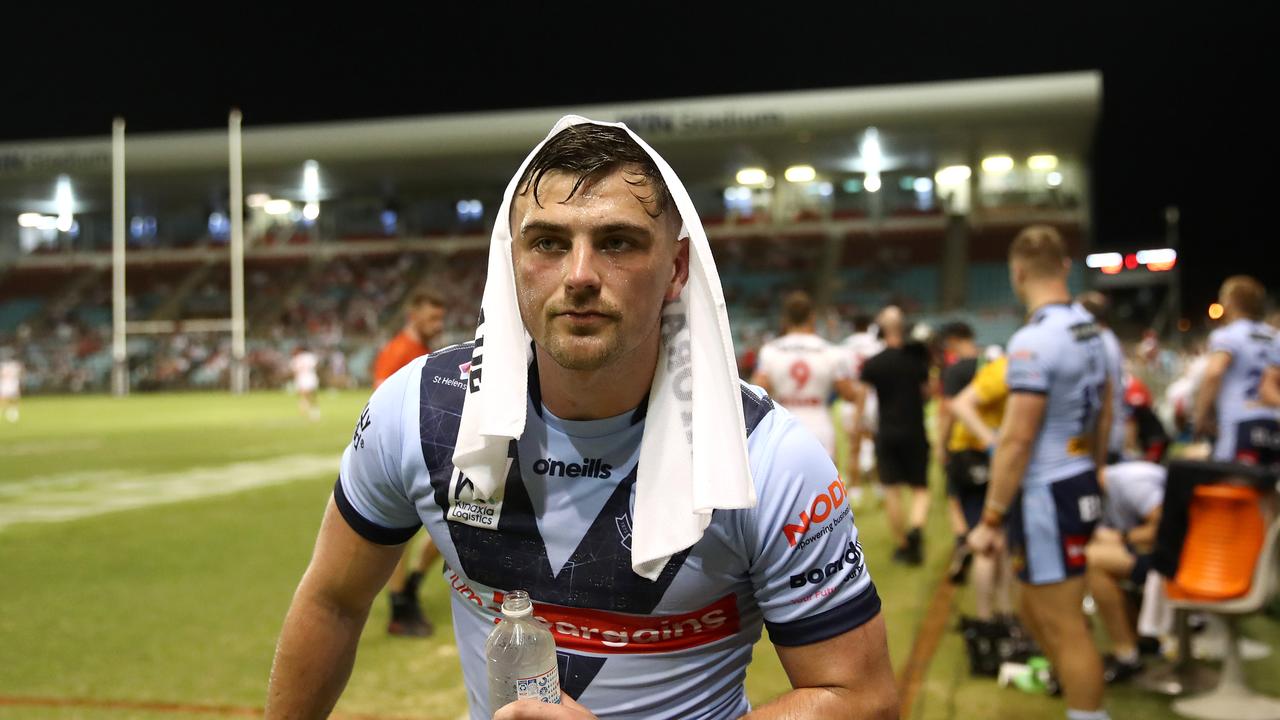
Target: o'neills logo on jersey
(590, 467)
(466, 508)
(598, 631)
(824, 504)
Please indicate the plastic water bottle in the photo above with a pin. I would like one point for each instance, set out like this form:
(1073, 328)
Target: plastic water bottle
(521, 656)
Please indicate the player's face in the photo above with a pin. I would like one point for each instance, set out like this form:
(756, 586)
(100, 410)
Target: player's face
(593, 272)
(428, 320)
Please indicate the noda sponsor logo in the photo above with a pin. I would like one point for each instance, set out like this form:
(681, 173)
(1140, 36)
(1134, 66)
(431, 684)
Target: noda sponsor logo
(821, 508)
(466, 508)
(851, 557)
(590, 467)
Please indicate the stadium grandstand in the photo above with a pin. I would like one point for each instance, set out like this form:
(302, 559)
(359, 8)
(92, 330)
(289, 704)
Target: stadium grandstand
(901, 194)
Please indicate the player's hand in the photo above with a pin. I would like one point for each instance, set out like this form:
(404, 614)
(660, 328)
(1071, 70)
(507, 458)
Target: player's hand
(986, 540)
(568, 709)
(1107, 535)
(1206, 426)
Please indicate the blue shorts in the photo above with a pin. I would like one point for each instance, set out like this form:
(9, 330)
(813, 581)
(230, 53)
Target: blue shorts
(1049, 526)
(1252, 442)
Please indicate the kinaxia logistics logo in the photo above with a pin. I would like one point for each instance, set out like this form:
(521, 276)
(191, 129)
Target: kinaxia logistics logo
(467, 508)
(823, 506)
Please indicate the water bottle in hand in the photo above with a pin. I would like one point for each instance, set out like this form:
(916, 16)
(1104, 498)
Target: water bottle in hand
(521, 656)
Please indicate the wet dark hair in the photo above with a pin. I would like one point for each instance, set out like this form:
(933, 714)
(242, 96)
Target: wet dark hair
(591, 152)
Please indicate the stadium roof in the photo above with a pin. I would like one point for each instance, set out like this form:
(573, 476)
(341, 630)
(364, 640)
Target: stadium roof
(923, 124)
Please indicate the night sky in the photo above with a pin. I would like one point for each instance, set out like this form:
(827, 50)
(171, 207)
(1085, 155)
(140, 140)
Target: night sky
(1182, 117)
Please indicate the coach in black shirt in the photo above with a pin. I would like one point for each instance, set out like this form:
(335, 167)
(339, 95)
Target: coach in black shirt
(900, 376)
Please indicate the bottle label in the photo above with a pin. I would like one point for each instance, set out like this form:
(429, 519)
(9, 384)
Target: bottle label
(543, 688)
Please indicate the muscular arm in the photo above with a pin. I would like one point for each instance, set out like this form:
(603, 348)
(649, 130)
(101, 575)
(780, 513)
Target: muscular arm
(846, 677)
(1143, 537)
(317, 646)
(849, 391)
(855, 435)
(1210, 383)
(1269, 392)
(943, 420)
(964, 407)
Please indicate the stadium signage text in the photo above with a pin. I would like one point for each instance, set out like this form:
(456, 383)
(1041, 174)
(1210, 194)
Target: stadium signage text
(658, 123)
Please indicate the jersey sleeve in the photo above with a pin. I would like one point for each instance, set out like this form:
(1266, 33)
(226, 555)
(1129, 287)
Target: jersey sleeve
(371, 491)
(807, 568)
(1030, 362)
(841, 363)
(989, 383)
(1149, 497)
(1223, 340)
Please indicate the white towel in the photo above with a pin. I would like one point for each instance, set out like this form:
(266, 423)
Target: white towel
(693, 457)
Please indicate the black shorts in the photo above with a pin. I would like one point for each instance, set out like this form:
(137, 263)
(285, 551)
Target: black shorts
(967, 475)
(902, 461)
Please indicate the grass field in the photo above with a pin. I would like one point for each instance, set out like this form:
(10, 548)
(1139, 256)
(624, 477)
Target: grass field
(149, 548)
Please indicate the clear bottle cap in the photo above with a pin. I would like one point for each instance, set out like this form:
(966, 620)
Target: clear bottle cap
(516, 604)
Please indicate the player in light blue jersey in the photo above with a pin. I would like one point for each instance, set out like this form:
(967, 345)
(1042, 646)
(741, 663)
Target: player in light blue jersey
(1096, 303)
(1044, 471)
(1238, 394)
(596, 255)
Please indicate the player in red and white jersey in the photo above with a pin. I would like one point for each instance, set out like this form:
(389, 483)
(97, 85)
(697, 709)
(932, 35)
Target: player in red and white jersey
(306, 381)
(860, 425)
(800, 370)
(10, 385)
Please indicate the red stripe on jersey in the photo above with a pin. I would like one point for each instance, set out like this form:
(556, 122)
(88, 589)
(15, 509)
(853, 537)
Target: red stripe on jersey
(599, 631)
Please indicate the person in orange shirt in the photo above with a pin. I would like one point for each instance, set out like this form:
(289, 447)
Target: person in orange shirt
(424, 319)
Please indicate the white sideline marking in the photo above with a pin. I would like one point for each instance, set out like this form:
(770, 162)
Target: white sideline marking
(69, 496)
(42, 447)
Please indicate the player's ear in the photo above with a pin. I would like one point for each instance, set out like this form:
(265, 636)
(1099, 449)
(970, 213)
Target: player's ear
(679, 271)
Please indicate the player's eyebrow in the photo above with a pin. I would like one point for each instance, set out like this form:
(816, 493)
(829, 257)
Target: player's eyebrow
(536, 226)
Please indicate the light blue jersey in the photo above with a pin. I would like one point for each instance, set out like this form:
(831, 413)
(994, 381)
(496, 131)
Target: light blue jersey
(1134, 489)
(677, 647)
(1060, 354)
(1115, 372)
(1253, 347)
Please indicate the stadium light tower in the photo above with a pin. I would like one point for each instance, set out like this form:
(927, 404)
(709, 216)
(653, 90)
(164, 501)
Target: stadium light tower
(119, 348)
(239, 371)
